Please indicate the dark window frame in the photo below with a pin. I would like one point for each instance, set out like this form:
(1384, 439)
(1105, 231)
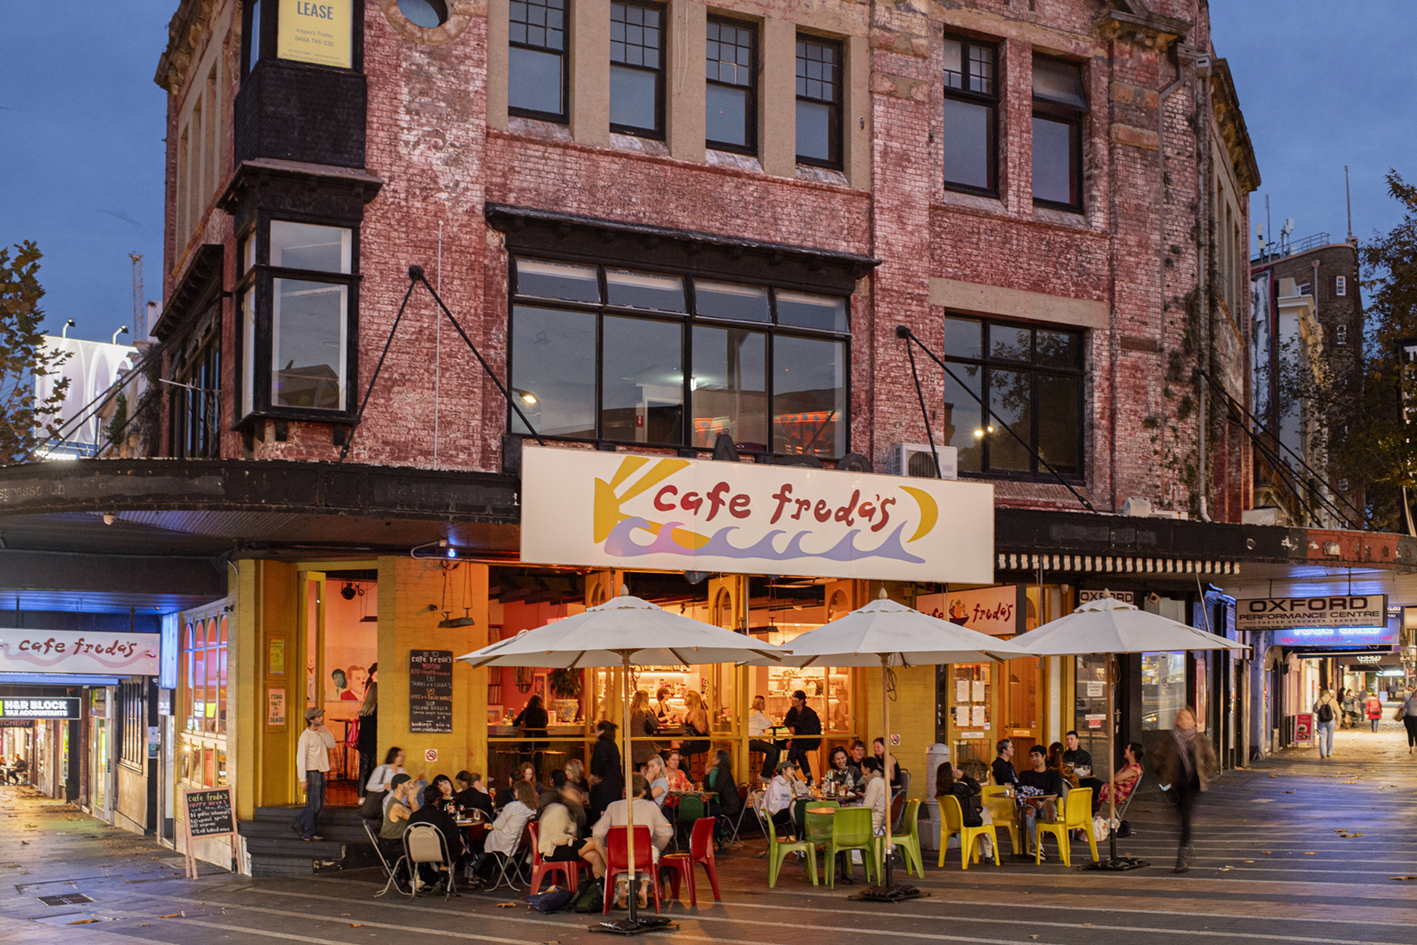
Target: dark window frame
(659, 131)
(988, 363)
(133, 740)
(836, 136)
(194, 399)
(253, 25)
(564, 115)
(751, 119)
(261, 277)
(1074, 118)
(990, 100)
(688, 320)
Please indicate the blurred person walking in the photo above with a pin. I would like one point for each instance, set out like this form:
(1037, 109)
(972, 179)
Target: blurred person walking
(1184, 763)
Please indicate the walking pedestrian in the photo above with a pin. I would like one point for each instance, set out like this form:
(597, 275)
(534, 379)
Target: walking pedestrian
(312, 760)
(369, 729)
(1326, 712)
(1184, 764)
(1374, 708)
(1408, 713)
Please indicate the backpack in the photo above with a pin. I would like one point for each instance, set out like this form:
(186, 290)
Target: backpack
(554, 899)
(1325, 712)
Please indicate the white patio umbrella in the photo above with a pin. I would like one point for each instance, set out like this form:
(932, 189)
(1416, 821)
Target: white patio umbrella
(886, 633)
(625, 631)
(1111, 626)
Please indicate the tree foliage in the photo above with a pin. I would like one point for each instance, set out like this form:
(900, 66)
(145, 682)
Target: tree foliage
(24, 418)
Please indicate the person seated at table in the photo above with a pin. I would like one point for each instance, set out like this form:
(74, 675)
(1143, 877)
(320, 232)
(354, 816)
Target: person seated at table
(653, 772)
(575, 776)
(526, 771)
(472, 793)
(719, 782)
(1124, 781)
(696, 723)
(506, 833)
(676, 776)
(951, 781)
(444, 784)
(873, 794)
(1055, 761)
(607, 779)
(1039, 787)
(647, 814)
(847, 781)
(1077, 756)
(806, 728)
(664, 713)
(1003, 765)
(759, 726)
(777, 802)
(393, 823)
(561, 827)
(431, 811)
(888, 763)
(643, 727)
(855, 757)
(563, 792)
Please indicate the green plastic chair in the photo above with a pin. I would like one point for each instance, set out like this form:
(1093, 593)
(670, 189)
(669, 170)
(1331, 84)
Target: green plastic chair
(851, 830)
(777, 852)
(687, 813)
(818, 827)
(908, 844)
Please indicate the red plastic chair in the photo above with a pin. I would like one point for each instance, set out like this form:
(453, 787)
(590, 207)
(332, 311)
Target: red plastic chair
(701, 852)
(618, 861)
(571, 869)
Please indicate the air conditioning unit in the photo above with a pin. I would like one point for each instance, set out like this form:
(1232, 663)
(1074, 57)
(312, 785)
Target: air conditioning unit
(915, 459)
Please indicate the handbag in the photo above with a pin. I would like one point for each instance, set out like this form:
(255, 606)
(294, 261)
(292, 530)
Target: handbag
(1400, 714)
(372, 807)
(552, 900)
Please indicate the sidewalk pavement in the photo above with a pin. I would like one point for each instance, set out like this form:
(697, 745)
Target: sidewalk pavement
(1292, 849)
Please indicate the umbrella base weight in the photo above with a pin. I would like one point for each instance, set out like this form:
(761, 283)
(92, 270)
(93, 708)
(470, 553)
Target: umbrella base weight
(636, 926)
(1118, 864)
(897, 893)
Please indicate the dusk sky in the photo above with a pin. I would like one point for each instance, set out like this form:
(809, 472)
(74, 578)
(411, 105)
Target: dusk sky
(81, 128)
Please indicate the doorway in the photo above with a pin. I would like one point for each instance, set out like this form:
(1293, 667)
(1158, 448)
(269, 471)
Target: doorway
(341, 630)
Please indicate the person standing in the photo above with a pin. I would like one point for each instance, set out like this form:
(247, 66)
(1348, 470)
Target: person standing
(1408, 712)
(368, 743)
(312, 761)
(1374, 709)
(607, 779)
(1326, 713)
(1184, 763)
(802, 721)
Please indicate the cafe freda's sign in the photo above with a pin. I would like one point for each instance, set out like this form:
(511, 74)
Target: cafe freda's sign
(585, 507)
(75, 651)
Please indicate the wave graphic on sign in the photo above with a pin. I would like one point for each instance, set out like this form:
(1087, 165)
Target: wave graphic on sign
(621, 545)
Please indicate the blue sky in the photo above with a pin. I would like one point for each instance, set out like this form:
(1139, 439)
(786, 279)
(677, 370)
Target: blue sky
(81, 126)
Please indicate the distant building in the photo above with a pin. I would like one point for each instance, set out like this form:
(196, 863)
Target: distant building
(1307, 329)
(92, 367)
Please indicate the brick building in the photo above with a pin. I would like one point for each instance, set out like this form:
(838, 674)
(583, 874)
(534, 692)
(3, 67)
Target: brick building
(699, 259)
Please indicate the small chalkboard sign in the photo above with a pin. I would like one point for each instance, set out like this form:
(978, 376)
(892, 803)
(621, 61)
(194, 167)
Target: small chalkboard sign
(211, 812)
(430, 690)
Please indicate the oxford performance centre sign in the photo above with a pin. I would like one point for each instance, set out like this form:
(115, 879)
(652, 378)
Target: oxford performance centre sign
(618, 510)
(1341, 620)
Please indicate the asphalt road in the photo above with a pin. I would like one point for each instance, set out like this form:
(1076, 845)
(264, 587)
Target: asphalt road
(1292, 850)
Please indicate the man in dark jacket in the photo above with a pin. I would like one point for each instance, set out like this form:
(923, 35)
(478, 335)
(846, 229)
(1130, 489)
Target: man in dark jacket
(1003, 766)
(803, 722)
(432, 812)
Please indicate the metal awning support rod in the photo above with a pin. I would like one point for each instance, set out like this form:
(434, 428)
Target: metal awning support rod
(924, 414)
(359, 417)
(904, 332)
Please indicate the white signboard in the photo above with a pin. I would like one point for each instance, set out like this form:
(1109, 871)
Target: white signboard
(1309, 613)
(997, 611)
(76, 651)
(585, 507)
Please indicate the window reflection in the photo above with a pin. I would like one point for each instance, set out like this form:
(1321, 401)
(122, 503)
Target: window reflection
(739, 302)
(553, 371)
(730, 386)
(809, 397)
(308, 325)
(642, 381)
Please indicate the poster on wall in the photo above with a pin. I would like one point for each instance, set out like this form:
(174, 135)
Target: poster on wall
(997, 611)
(318, 31)
(586, 507)
(275, 707)
(430, 690)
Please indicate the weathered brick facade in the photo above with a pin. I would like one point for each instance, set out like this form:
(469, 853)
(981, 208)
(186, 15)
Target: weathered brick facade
(1140, 256)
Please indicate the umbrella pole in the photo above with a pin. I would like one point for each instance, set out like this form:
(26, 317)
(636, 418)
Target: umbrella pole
(888, 891)
(632, 899)
(1113, 861)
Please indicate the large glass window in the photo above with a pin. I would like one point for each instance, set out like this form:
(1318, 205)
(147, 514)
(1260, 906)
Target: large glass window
(536, 59)
(637, 69)
(202, 712)
(731, 116)
(970, 121)
(1031, 379)
(819, 63)
(624, 356)
(1059, 105)
(1163, 689)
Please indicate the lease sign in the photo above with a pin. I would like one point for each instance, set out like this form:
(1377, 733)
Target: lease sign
(585, 507)
(318, 31)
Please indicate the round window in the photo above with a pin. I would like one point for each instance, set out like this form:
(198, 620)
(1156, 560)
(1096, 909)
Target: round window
(429, 14)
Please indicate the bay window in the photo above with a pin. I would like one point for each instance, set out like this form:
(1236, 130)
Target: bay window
(623, 356)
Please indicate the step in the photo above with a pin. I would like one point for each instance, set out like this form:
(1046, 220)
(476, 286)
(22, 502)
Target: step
(269, 866)
(281, 831)
(294, 848)
(328, 815)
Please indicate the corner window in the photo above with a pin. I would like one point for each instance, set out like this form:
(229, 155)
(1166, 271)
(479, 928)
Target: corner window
(536, 59)
(1059, 105)
(731, 95)
(298, 304)
(194, 391)
(637, 69)
(615, 355)
(1032, 380)
(819, 63)
(970, 122)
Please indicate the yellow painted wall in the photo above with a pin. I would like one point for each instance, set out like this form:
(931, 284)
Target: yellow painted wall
(406, 587)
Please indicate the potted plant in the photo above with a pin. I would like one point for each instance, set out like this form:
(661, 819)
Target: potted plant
(565, 686)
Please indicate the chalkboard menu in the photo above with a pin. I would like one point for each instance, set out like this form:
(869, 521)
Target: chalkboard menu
(209, 813)
(430, 690)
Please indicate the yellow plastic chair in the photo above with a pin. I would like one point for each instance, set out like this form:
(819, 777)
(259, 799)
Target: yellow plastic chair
(908, 844)
(1004, 812)
(952, 822)
(1077, 815)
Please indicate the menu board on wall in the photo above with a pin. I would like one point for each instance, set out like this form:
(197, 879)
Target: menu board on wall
(430, 690)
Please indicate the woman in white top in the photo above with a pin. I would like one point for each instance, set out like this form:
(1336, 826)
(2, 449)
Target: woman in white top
(777, 802)
(380, 777)
(874, 796)
(506, 833)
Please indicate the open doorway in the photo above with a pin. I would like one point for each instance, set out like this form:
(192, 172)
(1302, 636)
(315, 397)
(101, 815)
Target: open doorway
(342, 643)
